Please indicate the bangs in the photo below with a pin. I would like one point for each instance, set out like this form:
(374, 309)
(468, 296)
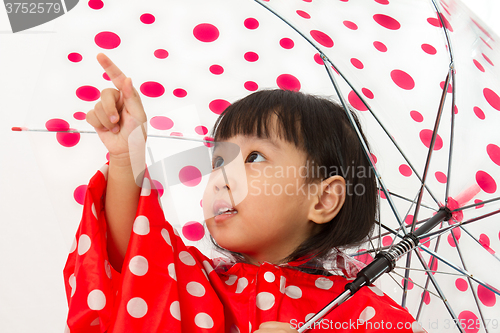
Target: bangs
(264, 115)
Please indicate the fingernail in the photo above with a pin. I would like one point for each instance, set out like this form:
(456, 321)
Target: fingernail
(113, 118)
(115, 129)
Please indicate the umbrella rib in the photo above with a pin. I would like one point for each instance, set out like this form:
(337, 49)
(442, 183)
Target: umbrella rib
(440, 292)
(475, 205)
(423, 270)
(433, 259)
(431, 148)
(430, 292)
(461, 224)
(452, 71)
(464, 272)
(326, 61)
(413, 201)
(468, 279)
(477, 241)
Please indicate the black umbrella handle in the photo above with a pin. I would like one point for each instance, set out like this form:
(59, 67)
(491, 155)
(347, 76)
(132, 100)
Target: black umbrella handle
(384, 263)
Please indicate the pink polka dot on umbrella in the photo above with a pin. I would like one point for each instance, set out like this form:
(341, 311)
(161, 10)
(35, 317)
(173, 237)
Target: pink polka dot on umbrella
(417, 116)
(147, 18)
(161, 123)
(405, 170)
(206, 32)
(402, 79)
(79, 194)
(487, 59)
(208, 144)
(486, 296)
(486, 43)
(107, 40)
(56, 124)
(318, 60)
(484, 240)
(479, 113)
(409, 219)
(494, 153)
(356, 102)
(88, 93)
(193, 231)
(106, 77)
(382, 2)
(176, 134)
(251, 23)
(288, 82)
(486, 182)
(322, 38)
(368, 93)
(410, 283)
(461, 284)
(441, 177)
(159, 187)
(96, 4)
(357, 63)
(387, 21)
(453, 241)
(351, 25)
(201, 130)
(179, 92)
(190, 176)
(75, 57)
(426, 297)
(429, 49)
(476, 201)
(287, 43)
(303, 14)
(251, 56)
(251, 86)
(373, 158)
(364, 258)
(218, 106)
(152, 89)
(68, 139)
(426, 137)
(478, 65)
(216, 69)
(161, 54)
(450, 87)
(492, 98)
(386, 240)
(380, 46)
(80, 115)
(468, 317)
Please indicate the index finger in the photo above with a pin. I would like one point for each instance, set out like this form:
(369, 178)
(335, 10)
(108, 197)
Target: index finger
(114, 73)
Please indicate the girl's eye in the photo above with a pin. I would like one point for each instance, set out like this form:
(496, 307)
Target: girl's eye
(217, 162)
(254, 157)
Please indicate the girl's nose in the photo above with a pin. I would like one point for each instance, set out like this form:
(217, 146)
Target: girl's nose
(223, 180)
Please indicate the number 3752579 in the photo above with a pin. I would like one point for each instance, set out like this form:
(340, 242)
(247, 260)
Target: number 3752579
(32, 8)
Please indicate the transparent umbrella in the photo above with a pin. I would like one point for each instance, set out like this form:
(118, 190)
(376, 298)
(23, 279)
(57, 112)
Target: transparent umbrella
(422, 76)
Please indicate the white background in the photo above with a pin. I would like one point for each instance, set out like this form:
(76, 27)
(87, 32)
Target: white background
(33, 249)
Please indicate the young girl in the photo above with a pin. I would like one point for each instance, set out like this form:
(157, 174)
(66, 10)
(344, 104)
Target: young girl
(129, 271)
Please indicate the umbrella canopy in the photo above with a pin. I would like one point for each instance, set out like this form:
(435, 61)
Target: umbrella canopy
(400, 65)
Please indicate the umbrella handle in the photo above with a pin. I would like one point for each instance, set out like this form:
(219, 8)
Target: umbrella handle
(384, 263)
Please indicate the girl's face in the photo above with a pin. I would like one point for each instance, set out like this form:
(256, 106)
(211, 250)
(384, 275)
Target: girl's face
(274, 217)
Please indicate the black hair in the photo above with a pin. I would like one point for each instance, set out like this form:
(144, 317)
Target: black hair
(320, 128)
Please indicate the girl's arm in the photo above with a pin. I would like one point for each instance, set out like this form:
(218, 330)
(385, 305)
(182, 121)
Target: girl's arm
(122, 197)
(115, 117)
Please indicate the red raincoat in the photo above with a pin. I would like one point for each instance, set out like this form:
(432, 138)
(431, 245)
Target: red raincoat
(166, 286)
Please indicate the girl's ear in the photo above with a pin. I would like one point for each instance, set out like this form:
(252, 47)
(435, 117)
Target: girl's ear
(328, 202)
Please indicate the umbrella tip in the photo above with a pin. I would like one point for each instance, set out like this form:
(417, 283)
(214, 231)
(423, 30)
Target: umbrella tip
(18, 129)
